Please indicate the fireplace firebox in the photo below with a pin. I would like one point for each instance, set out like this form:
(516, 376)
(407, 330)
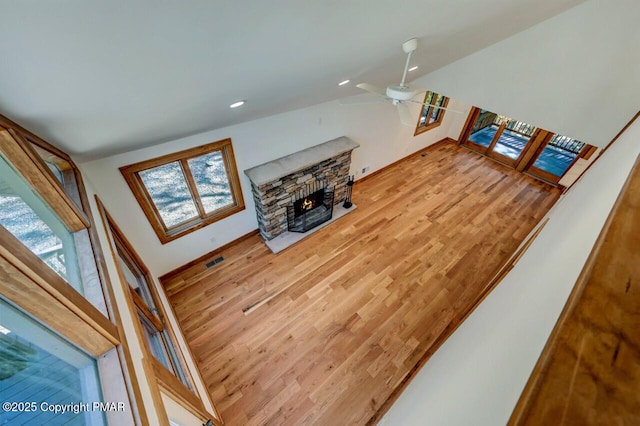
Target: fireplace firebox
(312, 206)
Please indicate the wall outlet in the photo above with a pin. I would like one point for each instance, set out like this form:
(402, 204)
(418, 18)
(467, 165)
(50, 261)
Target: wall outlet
(365, 169)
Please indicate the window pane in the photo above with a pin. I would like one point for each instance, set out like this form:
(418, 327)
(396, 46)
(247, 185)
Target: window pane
(511, 144)
(210, 176)
(37, 365)
(168, 189)
(55, 170)
(436, 111)
(558, 155)
(135, 279)
(156, 345)
(33, 222)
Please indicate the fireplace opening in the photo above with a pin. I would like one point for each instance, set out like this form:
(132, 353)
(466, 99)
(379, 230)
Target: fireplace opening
(312, 206)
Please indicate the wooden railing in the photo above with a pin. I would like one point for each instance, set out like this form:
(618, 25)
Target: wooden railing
(589, 371)
(566, 143)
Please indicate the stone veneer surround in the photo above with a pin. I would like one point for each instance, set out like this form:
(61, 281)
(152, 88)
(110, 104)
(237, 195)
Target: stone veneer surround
(274, 183)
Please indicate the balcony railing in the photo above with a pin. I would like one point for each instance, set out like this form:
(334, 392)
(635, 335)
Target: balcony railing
(567, 143)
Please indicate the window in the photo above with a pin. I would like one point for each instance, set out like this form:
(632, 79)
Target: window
(59, 341)
(157, 339)
(187, 190)
(25, 215)
(39, 367)
(157, 336)
(430, 115)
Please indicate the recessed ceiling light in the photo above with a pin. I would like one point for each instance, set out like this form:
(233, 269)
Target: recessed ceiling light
(342, 83)
(237, 104)
(413, 68)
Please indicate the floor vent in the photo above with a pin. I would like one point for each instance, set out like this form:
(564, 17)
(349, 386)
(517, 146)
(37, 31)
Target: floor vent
(214, 262)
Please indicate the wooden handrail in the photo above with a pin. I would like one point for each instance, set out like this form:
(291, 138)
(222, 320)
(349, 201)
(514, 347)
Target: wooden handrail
(589, 370)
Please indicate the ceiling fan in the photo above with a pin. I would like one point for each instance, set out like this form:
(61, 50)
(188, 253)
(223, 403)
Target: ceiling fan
(401, 93)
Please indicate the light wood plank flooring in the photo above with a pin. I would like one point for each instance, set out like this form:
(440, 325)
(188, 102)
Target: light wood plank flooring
(324, 332)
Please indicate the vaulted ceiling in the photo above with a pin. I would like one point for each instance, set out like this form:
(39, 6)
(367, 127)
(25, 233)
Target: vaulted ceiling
(98, 78)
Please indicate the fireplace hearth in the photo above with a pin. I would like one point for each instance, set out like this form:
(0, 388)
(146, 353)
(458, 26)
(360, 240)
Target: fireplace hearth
(310, 208)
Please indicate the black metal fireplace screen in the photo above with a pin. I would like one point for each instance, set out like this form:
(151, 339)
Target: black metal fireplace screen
(310, 207)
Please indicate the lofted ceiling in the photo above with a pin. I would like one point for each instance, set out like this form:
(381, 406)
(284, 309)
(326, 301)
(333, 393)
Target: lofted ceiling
(103, 77)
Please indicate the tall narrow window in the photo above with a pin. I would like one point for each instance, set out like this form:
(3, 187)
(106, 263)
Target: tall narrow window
(158, 338)
(431, 116)
(187, 190)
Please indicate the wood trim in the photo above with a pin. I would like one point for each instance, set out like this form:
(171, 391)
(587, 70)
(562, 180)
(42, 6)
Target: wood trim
(543, 175)
(615, 138)
(419, 152)
(532, 150)
(428, 126)
(234, 179)
(144, 310)
(176, 156)
(624, 129)
(615, 233)
(164, 378)
(179, 392)
(27, 162)
(217, 418)
(149, 373)
(468, 125)
(498, 276)
(130, 378)
(36, 288)
(588, 151)
(166, 234)
(35, 139)
(49, 156)
(204, 258)
(193, 190)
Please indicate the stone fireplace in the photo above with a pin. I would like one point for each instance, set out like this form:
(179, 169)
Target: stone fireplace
(301, 181)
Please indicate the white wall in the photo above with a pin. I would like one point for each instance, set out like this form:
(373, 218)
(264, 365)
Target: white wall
(376, 127)
(576, 74)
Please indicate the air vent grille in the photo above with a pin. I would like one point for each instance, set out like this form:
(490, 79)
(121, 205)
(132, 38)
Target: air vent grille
(214, 262)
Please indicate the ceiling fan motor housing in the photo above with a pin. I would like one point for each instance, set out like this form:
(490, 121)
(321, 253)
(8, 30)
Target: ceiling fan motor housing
(401, 93)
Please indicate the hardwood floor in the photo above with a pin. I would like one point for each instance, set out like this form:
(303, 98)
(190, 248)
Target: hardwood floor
(323, 332)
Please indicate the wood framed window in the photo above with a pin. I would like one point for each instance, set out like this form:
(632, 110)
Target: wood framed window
(431, 116)
(186, 190)
(56, 309)
(157, 339)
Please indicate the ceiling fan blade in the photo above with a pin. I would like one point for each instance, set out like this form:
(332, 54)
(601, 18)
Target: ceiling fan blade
(405, 115)
(372, 89)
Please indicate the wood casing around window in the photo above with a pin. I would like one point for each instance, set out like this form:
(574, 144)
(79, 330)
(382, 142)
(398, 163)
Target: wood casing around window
(27, 162)
(428, 126)
(167, 234)
(164, 379)
(32, 285)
